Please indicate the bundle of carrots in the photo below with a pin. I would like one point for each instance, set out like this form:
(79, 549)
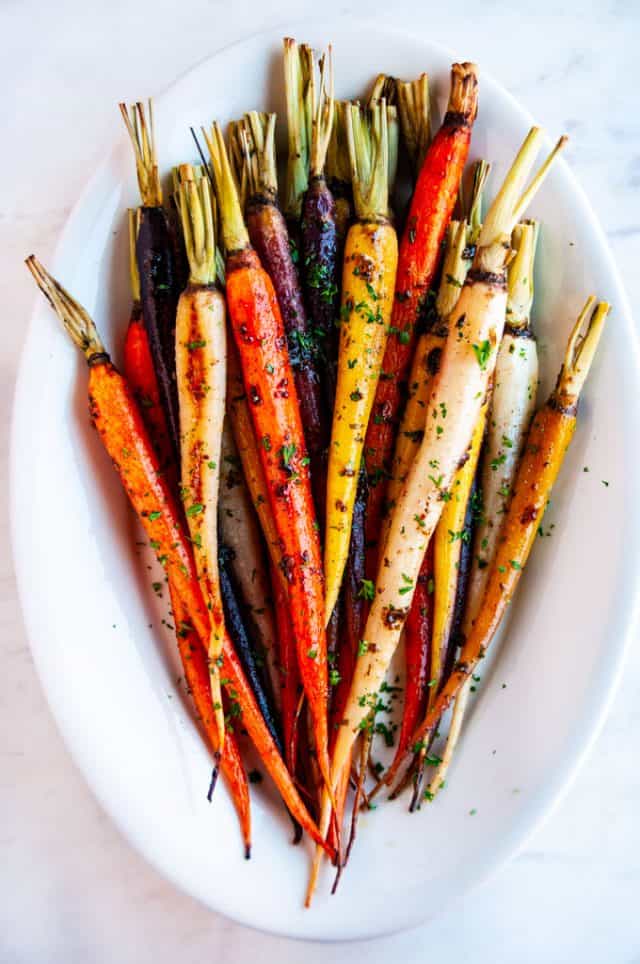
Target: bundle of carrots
(327, 429)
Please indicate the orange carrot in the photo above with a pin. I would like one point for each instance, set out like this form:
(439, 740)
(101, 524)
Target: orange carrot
(118, 421)
(196, 674)
(269, 384)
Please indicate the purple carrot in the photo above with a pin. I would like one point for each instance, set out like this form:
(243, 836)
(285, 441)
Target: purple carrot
(254, 146)
(319, 261)
(155, 254)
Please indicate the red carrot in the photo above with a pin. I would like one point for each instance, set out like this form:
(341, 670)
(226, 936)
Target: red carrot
(431, 208)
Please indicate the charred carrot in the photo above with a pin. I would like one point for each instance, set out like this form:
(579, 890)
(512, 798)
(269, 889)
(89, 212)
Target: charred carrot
(429, 213)
(268, 380)
(196, 676)
(466, 369)
(201, 359)
(116, 417)
(368, 278)
(155, 252)
(547, 442)
(270, 239)
(240, 532)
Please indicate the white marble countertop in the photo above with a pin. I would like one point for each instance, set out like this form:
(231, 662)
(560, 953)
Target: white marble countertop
(72, 890)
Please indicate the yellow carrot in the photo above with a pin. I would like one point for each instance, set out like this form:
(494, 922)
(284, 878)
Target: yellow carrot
(369, 269)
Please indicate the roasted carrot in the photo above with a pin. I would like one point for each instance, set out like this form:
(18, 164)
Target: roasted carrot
(243, 642)
(448, 540)
(466, 369)
(141, 375)
(356, 592)
(429, 213)
(196, 675)
(240, 532)
(155, 252)
(425, 366)
(201, 353)
(118, 421)
(417, 649)
(290, 685)
(319, 264)
(547, 442)
(270, 239)
(369, 269)
(245, 441)
(268, 380)
(512, 408)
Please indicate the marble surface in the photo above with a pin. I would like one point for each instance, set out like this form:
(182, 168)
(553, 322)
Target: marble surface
(71, 889)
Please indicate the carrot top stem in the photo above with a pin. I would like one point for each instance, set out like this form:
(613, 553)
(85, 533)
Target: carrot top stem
(133, 215)
(257, 134)
(463, 96)
(581, 349)
(234, 231)
(142, 135)
(300, 95)
(520, 274)
(384, 89)
(415, 117)
(480, 174)
(337, 163)
(196, 206)
(532, 190)
(509, 204)
(73, 316)
(322, 117)
(454, 268)
(367, 134)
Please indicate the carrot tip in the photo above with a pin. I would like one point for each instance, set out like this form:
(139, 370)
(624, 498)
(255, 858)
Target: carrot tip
(214, 777)
(247, 851)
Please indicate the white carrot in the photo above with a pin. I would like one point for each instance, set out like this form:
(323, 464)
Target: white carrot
(201, 353)
(512, 408)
